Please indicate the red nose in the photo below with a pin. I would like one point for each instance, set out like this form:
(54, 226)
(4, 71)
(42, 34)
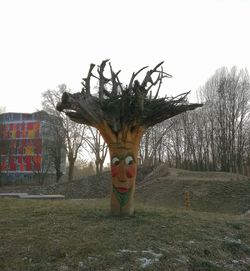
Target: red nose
(122, 172)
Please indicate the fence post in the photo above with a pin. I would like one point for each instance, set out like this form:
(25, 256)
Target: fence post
(187, 200)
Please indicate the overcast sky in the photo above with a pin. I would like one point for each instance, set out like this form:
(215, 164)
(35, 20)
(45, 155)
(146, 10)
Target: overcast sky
(47, 43)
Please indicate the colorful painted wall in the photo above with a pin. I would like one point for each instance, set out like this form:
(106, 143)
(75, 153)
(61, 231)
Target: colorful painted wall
(20, 146)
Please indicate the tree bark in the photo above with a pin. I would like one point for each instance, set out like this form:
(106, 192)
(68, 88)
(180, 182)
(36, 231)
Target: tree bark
(123, 148)
(71, 169)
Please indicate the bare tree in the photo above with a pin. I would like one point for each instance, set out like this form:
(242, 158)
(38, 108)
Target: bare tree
(56, 144)
(98, 147)
(227, 98)
(153, 148)
(122, 114)
(71, 132)
(41, 168)
(217, 136)
(214, 138)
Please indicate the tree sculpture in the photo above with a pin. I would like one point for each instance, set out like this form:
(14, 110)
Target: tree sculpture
(122, 114)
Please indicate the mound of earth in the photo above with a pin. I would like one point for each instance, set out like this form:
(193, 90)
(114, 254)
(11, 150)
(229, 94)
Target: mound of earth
(161, 186)
(209, 191)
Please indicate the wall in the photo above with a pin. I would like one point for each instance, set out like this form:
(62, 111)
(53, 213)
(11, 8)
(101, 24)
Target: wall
(21, 146)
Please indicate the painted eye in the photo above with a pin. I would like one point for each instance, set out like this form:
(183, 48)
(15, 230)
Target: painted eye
(129, 160)
(115, 161)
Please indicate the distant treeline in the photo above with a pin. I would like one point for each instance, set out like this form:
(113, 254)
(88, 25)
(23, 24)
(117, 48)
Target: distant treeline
(215, 137)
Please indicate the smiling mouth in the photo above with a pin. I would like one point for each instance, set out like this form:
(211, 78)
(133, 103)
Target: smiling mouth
(122, 190)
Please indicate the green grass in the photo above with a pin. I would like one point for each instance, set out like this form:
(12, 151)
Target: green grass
(82, 235)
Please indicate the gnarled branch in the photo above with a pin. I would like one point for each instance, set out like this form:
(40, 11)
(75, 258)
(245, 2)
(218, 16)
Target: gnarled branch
(86, 85)
(102, 80)
(130, 107)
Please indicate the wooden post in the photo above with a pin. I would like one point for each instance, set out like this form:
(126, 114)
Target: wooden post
(187, 200)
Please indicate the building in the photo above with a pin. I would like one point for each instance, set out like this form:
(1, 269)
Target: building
(24, 145)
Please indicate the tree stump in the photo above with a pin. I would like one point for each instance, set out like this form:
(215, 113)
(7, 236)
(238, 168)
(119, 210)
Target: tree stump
(122, 114)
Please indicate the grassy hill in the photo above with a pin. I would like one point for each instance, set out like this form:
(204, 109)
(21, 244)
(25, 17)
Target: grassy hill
(209, 191)
(162, 187)
(81, 235)
(87, 187)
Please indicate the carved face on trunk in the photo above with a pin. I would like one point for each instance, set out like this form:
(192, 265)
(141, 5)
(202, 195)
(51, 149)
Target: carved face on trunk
(123, 148)
(123, 170)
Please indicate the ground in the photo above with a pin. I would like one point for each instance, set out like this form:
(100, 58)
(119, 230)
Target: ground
(80, 234)
(162, 187)
(209, 191)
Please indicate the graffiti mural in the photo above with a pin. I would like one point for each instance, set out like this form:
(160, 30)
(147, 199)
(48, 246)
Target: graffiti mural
(20, 146)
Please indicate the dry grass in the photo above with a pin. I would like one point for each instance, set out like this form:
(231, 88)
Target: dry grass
(209, 191)
(82, 235)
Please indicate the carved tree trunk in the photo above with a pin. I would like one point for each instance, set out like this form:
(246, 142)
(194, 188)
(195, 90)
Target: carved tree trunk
(123, 148)
(122, 114)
